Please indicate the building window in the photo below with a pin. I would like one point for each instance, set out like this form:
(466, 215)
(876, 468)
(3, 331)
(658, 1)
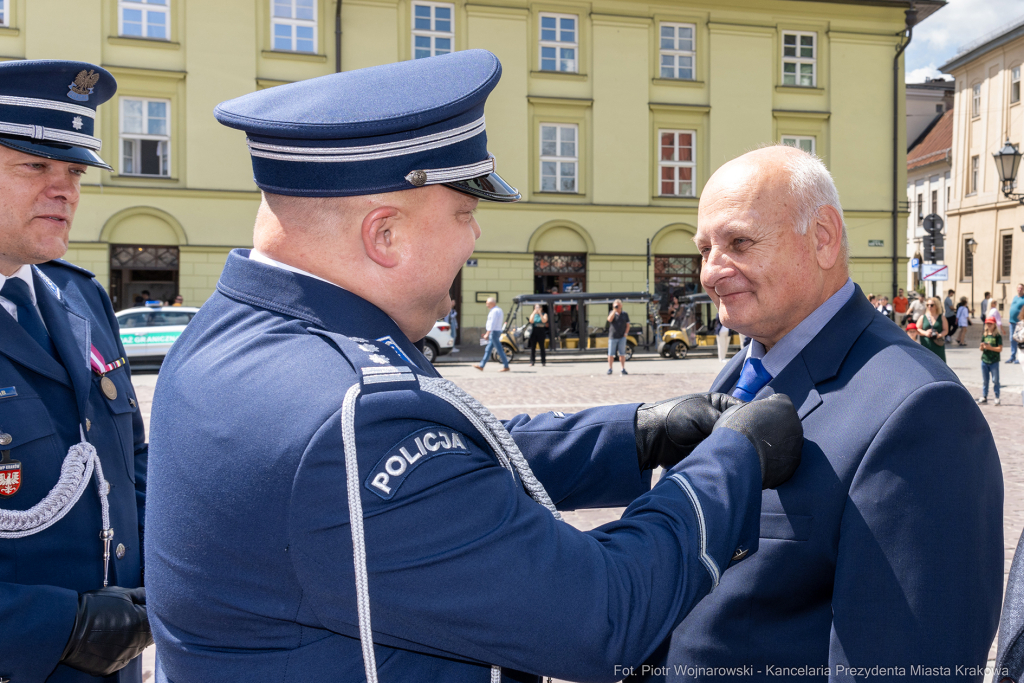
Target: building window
(1006, 260)
(433, 30)
(676, 162)
(974, 174)
(294, 25)
(968, 258)
(976, 100)
(3, 13)
(558, 42)
(799, 59)
(940, 108)
(677, 51)
(935, 201)
(920, 208)
(559, 158)
(804, 142)
(145, 137)
(1015, 85)
(144, 19)
(675, 276)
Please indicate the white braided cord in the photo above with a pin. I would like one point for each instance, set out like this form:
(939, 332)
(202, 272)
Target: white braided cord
(355, 513)
(78, 468)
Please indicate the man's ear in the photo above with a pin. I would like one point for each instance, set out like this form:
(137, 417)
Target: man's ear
(379, 236)
(828, 232)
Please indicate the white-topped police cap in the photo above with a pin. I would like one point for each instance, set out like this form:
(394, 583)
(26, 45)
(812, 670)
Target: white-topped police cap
(48, 108)
(381, 129)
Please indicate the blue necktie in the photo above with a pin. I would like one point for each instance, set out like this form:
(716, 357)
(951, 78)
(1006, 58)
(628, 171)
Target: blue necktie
(16, 291)
(753, 376)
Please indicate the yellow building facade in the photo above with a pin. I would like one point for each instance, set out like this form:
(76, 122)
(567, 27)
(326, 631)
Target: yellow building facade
(987, 113)
(610, 116)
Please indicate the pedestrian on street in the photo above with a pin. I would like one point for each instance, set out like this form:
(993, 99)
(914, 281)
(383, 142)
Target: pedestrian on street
(899, 307)
(912, 331)
(1015, 308)
(991, 346)
(453, 319)
(179, 300)
(986, 302)
(883, 307)
(963, 319)
(495, 323)
(916, 309)
(993, 312)
(538, 334)
(618, 328)
(72, 605)
(722, 334)
(949, 311)
(323, 502)
(933, 328)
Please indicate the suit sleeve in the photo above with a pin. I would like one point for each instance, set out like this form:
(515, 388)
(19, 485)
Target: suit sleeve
(924, 521)
(42, 619)
(463, 546)
(585, 460)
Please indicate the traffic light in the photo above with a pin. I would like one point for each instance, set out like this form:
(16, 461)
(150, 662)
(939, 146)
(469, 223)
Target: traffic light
(932, 247)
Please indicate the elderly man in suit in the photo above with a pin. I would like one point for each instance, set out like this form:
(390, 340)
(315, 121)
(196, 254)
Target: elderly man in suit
(883, 555)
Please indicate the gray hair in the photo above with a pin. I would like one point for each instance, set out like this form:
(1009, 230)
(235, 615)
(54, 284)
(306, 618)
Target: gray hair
(811, 182)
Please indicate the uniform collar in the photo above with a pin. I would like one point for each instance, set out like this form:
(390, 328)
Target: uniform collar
(257, 255)
(295, 293)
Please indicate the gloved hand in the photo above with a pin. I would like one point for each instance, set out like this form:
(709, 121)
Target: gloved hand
(111, 629)
(773, 427)
(668, 431)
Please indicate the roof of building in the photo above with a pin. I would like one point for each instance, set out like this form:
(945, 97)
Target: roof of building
(925, 8)
(984, 44)
(935, 143)
(936, 84)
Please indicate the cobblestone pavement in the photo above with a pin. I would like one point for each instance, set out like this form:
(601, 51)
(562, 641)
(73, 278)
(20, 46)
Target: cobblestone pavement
(574, 385)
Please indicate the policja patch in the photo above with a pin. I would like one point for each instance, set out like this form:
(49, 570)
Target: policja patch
(391, 471)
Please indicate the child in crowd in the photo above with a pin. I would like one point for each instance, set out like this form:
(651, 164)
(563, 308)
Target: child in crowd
(991, 346)
(912, 331)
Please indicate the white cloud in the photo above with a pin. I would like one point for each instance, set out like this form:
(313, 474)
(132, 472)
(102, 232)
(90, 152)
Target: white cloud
(939, 37)
(925, 72)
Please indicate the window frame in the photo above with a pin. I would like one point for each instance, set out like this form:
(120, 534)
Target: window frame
(558, 44)
(976, 101)
(558, 159)
(692, 53)
(1005, 256)
(5, 13)
(973, 177)
(798, 139)
(920, 208)
(967, 265)
(1015, 82)
(691, 164)
(294, 23)
(432, 34)
(143, 6)
(167, 139)
(813, 61)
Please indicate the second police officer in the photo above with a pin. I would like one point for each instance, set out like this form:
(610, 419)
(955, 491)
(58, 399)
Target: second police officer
(323, 506)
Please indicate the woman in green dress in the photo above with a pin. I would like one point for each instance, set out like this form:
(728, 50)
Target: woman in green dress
(933, 328)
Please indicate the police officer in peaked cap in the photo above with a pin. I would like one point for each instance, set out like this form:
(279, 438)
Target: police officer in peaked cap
(72, 446)
(324, 506)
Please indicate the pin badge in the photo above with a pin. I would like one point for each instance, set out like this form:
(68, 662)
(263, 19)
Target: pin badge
(417, 178)
(10, 474)
(119, 551)
(5, 439)
(109, 390)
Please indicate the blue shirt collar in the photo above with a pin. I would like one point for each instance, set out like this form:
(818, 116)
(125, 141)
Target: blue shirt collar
(790, 346)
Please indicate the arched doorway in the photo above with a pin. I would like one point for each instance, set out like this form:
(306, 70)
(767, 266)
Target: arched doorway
(144, 256)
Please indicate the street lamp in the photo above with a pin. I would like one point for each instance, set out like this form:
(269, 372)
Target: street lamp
(973, 247)
(1007, 161)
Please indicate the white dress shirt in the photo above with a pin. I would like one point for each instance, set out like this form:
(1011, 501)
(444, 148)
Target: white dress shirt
(24, 273)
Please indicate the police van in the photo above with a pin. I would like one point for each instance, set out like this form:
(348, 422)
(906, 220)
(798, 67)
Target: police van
(147, 332)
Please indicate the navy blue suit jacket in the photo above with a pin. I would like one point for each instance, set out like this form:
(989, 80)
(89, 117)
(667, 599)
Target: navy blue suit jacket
(41, 575)
(886, 547)
(249, 566)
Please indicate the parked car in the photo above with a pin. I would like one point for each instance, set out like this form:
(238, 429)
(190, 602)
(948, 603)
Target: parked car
(438, 341)
(147, 332)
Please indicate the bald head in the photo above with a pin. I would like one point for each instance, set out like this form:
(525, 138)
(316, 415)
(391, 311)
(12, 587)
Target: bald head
(771, 235)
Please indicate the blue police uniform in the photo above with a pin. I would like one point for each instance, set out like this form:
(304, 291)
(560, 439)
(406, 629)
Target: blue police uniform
(50, 399)
(323, 506)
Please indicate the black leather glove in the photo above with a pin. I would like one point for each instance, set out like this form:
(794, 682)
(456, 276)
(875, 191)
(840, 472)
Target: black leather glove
(773, 427)
(668, 431)
(111, 629)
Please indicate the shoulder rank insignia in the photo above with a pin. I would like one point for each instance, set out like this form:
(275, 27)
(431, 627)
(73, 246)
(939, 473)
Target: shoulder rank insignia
(393, 469)
(54, 289)
(393, 345)
(83, 85)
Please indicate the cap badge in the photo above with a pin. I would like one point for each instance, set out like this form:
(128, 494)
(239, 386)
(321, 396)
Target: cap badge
(417, 178)
(83, 85)
(76, 123)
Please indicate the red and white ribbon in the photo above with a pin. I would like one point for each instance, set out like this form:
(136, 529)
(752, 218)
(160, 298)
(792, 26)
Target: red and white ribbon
(99, 365)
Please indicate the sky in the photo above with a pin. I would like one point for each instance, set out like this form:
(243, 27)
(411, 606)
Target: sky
(939, 37)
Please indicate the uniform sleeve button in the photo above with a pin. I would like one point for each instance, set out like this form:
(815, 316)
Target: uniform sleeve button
(119, 551)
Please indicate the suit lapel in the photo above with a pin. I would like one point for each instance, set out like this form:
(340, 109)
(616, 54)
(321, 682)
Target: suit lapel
(24, 350)
(730, 374)
(70, 334)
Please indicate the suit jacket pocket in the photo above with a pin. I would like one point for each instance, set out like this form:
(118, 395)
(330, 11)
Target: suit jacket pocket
(785, 527)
